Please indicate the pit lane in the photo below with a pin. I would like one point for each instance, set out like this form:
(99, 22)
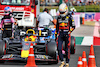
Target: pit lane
(82, 31)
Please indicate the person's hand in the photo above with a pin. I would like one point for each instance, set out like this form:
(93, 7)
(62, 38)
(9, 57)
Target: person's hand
(15, 23)
(69, 32)
(54, 21)
(16, 19)
(71, 29)
(2, 29)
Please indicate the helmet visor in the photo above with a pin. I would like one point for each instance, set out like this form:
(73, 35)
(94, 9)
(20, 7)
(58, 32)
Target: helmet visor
(62, 12)
(6, 11)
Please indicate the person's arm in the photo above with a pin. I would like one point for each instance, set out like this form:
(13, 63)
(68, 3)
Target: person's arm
(1, 25)
(57, 26)
(13, 21)
(54, 21)
(57, 29)
(37, 22)
(72, 24)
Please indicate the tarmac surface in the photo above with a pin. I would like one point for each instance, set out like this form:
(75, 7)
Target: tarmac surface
(81, 31)
(73, 58)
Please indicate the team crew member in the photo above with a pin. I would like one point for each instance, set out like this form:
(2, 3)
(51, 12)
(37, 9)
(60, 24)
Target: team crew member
(44, 19)
(7, 22)
(65, 25)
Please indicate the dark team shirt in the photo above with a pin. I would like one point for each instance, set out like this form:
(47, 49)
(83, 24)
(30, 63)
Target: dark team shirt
(7, 21)
(65, 23)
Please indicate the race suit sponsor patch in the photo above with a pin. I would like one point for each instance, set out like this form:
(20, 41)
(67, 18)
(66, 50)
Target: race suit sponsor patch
(7, 20)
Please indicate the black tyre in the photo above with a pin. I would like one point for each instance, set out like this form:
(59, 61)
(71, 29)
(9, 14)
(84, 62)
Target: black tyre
(0, 34)
(2, 47)
(52, 51)
(72, 44)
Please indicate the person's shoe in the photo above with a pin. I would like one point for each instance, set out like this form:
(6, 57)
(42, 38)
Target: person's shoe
(62, 64)
(67, 65)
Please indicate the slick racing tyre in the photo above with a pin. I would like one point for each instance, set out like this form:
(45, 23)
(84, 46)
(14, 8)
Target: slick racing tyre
(52, 51)
(72, 44)
(2, 50)
(0, 35)
(2, 47)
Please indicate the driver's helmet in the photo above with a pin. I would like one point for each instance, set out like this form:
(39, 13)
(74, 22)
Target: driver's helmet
(7, 10)
(63, 9)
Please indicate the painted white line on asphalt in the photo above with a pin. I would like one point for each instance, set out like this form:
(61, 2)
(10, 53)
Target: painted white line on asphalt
(87, 40)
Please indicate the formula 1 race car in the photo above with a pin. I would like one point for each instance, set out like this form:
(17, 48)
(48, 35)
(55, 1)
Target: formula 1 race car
(43, 40)
(18, 49)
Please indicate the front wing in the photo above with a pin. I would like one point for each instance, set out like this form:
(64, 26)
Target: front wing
(18, 57)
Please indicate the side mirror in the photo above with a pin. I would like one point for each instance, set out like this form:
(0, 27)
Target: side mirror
(36, 2)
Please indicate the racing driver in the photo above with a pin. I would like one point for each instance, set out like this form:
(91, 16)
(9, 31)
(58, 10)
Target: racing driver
(7, 23)
(65, 25)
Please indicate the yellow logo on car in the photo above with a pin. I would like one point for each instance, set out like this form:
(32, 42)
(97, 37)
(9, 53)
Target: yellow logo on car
(11, 55)
(24, 53)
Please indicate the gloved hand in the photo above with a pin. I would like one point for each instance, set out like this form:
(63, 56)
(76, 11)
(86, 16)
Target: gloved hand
(71, 29)
(2, 29)
(69, 32)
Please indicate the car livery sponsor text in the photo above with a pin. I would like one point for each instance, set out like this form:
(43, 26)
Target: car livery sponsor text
(17, 8)
(7, 56)
(41, 56)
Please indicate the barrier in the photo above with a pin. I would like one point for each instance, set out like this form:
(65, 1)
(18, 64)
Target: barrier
(96, 36)
(90, 16)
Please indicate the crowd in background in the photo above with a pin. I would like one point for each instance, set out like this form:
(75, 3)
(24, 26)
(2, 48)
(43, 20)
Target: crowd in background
(73, 2)
(85, 2)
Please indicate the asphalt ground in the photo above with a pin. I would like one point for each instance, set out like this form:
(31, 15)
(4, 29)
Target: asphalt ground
(73, 58)
(84, 30)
